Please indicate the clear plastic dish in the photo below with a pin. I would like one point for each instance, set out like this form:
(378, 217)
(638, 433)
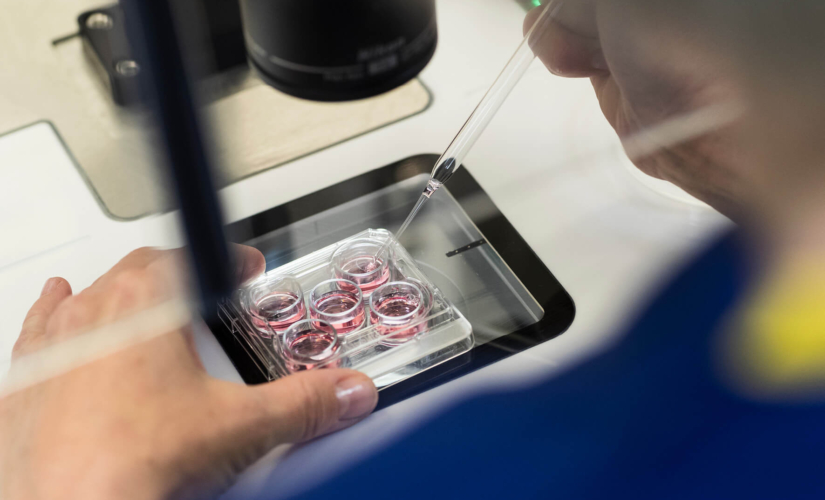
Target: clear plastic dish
(386, 355)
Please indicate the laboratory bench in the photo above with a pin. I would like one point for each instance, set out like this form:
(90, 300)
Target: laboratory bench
(549, 162)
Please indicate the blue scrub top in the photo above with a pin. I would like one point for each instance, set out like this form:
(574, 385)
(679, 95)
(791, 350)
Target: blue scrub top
(648, 419)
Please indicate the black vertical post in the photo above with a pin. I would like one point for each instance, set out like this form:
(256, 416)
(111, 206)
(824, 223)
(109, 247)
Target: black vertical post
(166, 90)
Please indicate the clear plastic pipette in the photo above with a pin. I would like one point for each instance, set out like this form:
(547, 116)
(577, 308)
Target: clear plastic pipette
(484, 112)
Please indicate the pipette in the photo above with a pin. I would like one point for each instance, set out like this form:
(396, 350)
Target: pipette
(484, 112)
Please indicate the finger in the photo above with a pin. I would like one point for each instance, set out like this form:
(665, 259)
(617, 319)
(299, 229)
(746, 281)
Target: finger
(136, 259)
(309, 404)
(566, 52)
(136, 290)
(32, 335)
(140, 258)
(169, 269)
(297, 408)
(249, 262)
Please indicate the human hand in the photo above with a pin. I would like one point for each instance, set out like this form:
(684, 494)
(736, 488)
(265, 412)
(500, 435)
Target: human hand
(646, 68)
(148, 421)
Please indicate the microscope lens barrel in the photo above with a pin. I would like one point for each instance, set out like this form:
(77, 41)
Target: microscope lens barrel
(341, 50)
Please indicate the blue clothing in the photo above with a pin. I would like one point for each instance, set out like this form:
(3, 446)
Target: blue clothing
(647, 419)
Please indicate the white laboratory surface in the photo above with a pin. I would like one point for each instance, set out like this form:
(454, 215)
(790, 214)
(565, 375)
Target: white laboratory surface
(548, 160)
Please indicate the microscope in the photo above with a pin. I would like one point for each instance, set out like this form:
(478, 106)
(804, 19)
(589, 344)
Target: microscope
(321, 51)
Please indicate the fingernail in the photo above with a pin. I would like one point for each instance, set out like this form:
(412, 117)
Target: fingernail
(49, 286)
(355, 399)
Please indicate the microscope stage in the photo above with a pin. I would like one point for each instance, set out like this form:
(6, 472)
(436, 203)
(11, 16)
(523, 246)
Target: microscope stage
(460, 240)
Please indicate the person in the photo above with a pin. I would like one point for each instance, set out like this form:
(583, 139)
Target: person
(717, 391)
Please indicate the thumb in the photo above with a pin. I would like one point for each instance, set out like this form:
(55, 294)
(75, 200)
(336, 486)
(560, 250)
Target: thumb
(33, 333)
(303, 406)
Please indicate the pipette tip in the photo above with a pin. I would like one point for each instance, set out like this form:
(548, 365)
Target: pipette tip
(432, 186)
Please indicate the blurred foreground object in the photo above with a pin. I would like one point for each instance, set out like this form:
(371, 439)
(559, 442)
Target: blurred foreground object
(166, 85)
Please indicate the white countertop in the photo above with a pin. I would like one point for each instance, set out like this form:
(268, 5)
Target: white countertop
(549, 161)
